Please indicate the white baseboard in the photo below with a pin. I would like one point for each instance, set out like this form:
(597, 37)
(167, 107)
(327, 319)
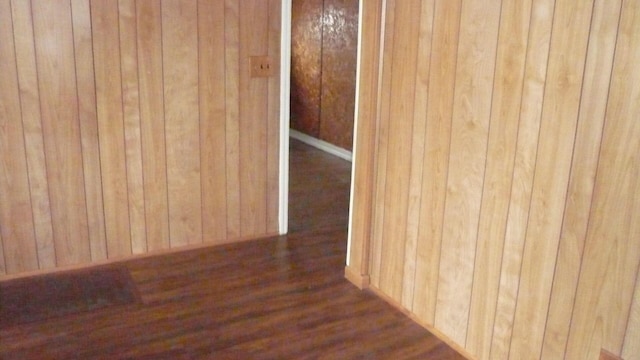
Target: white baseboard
(322, 145)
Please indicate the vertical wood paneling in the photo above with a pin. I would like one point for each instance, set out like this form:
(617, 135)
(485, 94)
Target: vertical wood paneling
(527, 171)
(446, 30)
(212, 119)
(306, 65)
(273, 118)
(467, 157)
(132, 128)
(526, 151)
(402, 88)
(382, 121)
(121, 127)
(180, 59)
(60, 123)
(33, 136)
(557, 134)
(612, 245)
(87, 110)
(338, 32)
(106, 47)
(232, 80)
(253, 112)
(595, 92)
(16, 219)
(505, 110)
(421, 95)
(152, 123)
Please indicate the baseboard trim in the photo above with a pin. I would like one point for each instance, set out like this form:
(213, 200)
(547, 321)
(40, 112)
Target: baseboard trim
(357, 279)
(437, 333)
(321, 145)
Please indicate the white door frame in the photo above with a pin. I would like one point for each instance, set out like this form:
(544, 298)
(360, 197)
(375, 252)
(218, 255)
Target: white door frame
(285, 113)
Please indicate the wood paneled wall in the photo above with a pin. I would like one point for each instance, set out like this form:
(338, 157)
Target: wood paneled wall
(127, 127)
(506, 200)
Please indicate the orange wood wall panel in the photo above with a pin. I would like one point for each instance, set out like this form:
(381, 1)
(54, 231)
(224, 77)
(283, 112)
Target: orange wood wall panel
(133, 126)
(338, 73)
(306, 65)
(520, 239)
(323, 69)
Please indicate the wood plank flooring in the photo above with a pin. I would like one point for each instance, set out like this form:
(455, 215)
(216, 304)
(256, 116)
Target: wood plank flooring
(276, 298)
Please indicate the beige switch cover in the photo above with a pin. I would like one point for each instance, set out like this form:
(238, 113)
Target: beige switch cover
(261, 66)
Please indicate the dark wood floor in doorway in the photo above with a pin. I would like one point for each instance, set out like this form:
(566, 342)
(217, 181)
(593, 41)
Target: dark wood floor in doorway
(276, 298)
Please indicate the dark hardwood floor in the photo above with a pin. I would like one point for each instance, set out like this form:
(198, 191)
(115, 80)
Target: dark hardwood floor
(276, 298)
(318, 189)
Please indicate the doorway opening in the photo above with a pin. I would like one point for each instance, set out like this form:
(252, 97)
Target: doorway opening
(319, 54)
